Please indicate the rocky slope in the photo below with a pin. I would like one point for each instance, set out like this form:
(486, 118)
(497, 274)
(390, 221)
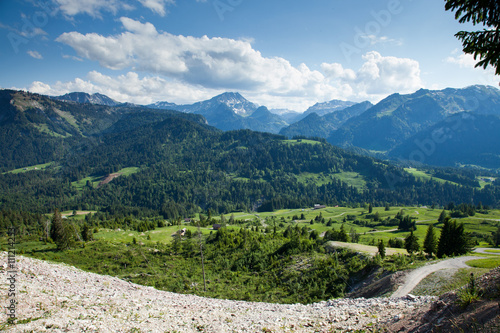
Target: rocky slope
(60, 298)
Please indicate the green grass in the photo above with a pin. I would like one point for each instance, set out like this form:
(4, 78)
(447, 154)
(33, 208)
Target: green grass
(351, 178)
(31, 168)
(425, 176)
(162, 235)
(492, 251)
(488, 263)
(128, 171)
(43, 128)
(96, 179)
(301, 141)
(483, 183)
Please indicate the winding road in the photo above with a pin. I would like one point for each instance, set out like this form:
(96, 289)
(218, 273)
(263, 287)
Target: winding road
(417, 275)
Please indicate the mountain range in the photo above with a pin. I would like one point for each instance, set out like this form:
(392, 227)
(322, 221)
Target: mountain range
(178, 164)
(388, 129)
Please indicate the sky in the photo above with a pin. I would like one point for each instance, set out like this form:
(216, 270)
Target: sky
(281, 54)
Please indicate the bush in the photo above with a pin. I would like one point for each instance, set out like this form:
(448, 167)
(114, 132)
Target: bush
(469, 294)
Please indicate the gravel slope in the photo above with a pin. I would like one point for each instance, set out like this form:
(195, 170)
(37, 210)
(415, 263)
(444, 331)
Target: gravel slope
(59, 298)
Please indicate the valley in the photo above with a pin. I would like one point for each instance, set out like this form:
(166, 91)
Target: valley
(142, 194)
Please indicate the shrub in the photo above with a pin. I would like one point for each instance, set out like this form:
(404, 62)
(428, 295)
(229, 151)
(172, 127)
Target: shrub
(469, 294)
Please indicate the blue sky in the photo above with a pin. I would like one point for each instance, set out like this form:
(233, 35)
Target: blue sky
(280, 54)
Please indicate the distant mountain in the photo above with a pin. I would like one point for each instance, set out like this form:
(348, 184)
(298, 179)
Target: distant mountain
(230, 111)
(327, 107)
(290, 116)
(184, 166)
(237, 103)
(263, 120)
(162, 106)
(314, 125)
(461, 139)
(37, 129)
(398, 117)
(83, 98)
(233, 100)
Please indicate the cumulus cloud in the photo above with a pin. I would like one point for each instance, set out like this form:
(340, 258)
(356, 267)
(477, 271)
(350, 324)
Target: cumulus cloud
(35, 54)
(462, 60)
(377, 77)
(215, 63)
(206, 65)
(128, 87)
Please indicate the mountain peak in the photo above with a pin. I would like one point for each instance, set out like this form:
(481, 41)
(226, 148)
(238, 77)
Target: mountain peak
(239, 104)
(229, 95)
(83, 98)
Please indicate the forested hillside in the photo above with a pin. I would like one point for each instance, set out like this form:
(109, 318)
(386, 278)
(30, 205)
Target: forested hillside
(181, 166)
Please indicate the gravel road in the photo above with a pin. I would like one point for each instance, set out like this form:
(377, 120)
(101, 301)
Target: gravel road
(483, 250)
(417, 275)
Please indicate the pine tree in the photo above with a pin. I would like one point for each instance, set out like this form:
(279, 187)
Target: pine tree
(86, 233)
(496, 238)
(61, 233)
(370, 209)
(442, 216)
(343, 237)
(411, 243)
(430, 242)
(453, 241)
(381, 248)
(445, 239)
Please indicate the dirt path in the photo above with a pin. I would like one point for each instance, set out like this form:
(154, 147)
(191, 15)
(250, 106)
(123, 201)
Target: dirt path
(368, 249)
(483, 251)
(417, 275)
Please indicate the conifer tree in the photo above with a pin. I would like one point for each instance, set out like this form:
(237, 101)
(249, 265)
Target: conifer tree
(430, 242)
(381, 248)
(444, 239)
(442, 216)
(411, 243)
(61, 233)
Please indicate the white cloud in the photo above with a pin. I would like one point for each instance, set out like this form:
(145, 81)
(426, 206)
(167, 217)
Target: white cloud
(90, 7)
(373, 39)
(35, 54)
(479, 75)
(377, 77)
(66, 56)
(128, 87)
(95, 8)
(205, 66)
(157, 6)
(462, 60)
(217, 63)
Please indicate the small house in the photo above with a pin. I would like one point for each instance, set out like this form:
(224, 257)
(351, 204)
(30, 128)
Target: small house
(216, 226)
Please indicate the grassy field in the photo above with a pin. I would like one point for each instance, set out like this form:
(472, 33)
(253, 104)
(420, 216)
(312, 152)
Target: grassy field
(488, 263)
(96, 179)
(31, 168)
(301, 141)
(369, 235)
(351, 178)
(425, 176)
